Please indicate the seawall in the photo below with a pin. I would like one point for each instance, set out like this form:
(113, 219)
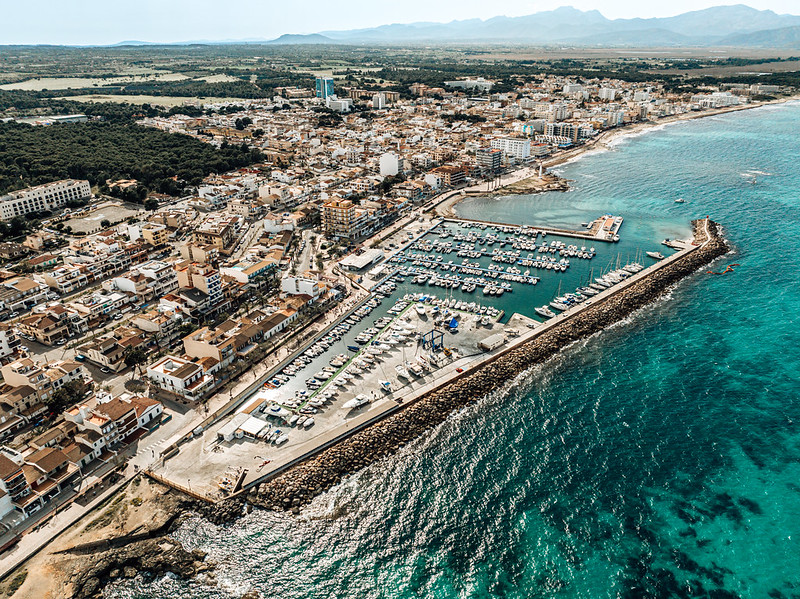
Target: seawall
(304, 481)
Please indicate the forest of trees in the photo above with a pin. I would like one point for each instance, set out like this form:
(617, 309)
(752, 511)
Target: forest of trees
(97, 151)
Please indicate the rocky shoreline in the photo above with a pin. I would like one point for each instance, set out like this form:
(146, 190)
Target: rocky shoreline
(302, 483)
(529, 186)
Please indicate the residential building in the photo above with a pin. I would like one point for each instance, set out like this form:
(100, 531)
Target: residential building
(155, 234)
(489, 159)
(181, 377)
(9, 343)
(106, 352)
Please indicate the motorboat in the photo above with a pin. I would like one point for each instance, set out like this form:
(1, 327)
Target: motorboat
(545, 312)
(559, 306)
(655, 255)
(358, 401)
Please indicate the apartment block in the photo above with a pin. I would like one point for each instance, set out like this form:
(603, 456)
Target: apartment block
(49, 196)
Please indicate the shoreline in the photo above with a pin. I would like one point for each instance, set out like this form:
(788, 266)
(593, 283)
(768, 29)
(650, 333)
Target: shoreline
(297, 486)
(447, 207)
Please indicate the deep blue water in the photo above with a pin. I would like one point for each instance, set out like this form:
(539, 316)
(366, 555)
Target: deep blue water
(660, 458)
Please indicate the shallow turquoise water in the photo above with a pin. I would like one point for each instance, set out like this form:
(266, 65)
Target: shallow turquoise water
(660, 458)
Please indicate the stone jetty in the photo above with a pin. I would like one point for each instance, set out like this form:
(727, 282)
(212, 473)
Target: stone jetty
(303, 482)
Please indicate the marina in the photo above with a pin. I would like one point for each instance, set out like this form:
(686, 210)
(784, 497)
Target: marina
(452, 297)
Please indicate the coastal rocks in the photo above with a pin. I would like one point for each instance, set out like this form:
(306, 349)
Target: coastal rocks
(299, 485)
(155, 556)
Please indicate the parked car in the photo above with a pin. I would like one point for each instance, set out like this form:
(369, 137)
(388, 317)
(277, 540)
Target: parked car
(60, 342)
(118, 316)
(105, 370)
(13, 315)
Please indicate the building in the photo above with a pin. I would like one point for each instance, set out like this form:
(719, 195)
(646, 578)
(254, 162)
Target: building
(480, 84)
(608, 94)
(43, 197)
(106, 352)
(147, 281)
(361, 259)
(47, 327)
(324, 87)
(217, 235)
(203, 277)
(9, 342)
(181, 377)
(338, 218)
(155, 234)
(451, 175)
(389, 164)
(298, 285)
(68, 278)
(339, 104)
(21, 293)
(217, 344)
(518, 148)
(489, 159)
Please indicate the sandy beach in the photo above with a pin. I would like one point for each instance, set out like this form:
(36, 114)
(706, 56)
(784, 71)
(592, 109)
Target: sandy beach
(604, 140)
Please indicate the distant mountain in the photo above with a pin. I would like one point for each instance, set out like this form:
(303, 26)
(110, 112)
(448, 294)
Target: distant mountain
(785, 37)
(294, 38)
(569, 25)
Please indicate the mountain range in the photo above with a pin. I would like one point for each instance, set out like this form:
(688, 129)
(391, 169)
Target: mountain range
(735, 25)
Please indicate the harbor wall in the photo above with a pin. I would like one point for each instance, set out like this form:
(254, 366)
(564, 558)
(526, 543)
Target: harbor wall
(300, 484)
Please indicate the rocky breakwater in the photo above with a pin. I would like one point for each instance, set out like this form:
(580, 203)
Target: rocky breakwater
(299, 485)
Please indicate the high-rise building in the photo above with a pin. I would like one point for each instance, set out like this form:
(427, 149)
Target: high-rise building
(608, 93)
(512, 146)
(324, 87)
(489, 159)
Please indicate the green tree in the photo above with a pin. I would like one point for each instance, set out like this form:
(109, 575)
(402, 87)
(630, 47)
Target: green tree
(105, 223)
(69, 394)
(151, 204)
(134, 357)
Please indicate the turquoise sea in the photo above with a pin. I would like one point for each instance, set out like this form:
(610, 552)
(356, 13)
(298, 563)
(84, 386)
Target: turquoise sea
(660, 458)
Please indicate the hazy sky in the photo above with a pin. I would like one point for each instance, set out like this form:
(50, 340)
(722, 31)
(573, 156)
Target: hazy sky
(111, 21)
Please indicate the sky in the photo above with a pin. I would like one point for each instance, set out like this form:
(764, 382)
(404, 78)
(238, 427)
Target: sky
(86, 22)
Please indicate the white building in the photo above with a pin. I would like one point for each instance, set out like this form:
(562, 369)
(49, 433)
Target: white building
(608, 93)
(43, 197)
(379, 101)
(558, 112)
(180, 377)
(339, 104)
(716, 100)
(297, 285)
(511, 146)
(480, 84)
(389, 164)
